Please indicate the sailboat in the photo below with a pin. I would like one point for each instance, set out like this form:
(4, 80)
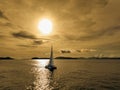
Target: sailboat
(50, 65)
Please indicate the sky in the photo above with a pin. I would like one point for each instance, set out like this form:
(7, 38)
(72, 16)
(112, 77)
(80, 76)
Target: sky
(80, 28)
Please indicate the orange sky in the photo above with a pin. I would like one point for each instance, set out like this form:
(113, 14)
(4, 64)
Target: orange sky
(82, 27)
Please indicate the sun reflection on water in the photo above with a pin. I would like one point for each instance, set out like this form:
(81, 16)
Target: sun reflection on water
(42, 62)
(43, 77)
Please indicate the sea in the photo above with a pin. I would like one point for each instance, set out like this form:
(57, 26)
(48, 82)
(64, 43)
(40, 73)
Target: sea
(70, 74)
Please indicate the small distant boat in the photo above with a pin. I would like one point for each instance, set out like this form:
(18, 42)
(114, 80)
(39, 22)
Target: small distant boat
(50, 65)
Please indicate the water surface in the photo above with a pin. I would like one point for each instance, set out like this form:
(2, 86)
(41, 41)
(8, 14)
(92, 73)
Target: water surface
(70, 75)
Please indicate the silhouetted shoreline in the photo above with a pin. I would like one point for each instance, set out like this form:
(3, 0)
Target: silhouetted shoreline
(87, 57)
(39, 58)
(62, 57)
(6, 58)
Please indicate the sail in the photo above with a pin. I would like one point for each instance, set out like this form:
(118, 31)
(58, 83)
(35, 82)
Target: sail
(51, 56)
(50, 66)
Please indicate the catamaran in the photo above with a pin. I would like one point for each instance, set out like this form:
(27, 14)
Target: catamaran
(50, 65)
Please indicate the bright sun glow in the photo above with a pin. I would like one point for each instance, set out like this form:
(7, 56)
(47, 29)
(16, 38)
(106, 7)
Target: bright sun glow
(45, 26)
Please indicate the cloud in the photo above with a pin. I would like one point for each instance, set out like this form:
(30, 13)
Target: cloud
(23, 34)
(86, 50)
(1, 36)
(2, 15)
(92, 35)
(33, 43)
(79, 51)
(86, 6)
(26, 46)
(65, 51)
(40, 41)
(113, 45)
(100, 33)
(5, 24)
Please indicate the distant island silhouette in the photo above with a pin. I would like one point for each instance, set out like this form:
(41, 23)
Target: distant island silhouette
(39, 58)
(6, 58)
(62, 57)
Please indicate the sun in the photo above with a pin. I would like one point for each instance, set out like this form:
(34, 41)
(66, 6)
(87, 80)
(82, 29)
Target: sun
(45, 26)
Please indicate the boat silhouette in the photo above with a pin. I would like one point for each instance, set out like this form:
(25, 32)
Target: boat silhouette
(51, 65)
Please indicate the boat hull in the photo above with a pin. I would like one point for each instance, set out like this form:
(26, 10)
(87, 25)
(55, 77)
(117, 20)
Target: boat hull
(51, 67)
